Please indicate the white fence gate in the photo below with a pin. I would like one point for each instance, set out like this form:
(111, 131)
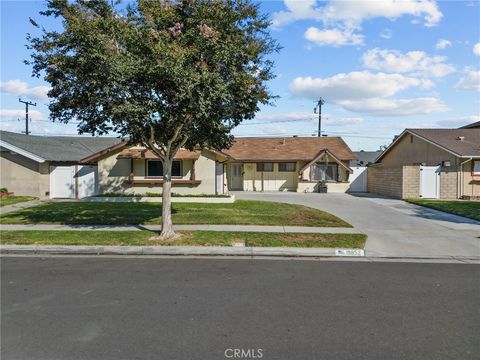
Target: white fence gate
(61, 182)
(358, 179)
(87, 177)
(430, 182)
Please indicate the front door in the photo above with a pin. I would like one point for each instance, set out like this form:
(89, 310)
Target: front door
(237, 176)
(430, 182)
(218, 178)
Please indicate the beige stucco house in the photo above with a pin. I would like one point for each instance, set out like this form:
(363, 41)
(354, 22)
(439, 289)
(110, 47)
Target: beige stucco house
(49, 166)
(251, 164)
(429, 163)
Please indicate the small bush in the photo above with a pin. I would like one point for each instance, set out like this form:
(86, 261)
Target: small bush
(3, 190)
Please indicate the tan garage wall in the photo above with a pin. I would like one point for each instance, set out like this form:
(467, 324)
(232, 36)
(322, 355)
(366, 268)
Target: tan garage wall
(449, 183)
(23, 176)
(385, 181)
(411, 181)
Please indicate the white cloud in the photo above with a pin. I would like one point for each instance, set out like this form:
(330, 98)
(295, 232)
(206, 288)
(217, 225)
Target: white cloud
(368, 93)
(17, 114)
(353, 13)
(303, 116)
(20, 88)
(272, 129)
(355, 85)
(342, 121)
(296, 10)
(476, 49)
(442, 44)
(469, 82)
(458, 121)
(386, 34)
(395, 107)
(413, 62)
(333, 37)
(284, 116)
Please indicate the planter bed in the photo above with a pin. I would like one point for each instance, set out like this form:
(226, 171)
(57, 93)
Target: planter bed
(174, 199)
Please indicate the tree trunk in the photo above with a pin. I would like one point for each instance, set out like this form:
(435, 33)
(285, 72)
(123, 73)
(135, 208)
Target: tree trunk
(167, 232)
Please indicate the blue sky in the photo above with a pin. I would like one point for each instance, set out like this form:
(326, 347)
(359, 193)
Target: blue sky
(381, 66)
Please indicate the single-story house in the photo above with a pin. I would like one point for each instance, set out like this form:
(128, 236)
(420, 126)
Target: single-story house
(429, 163)
(49, 166)
(251, 164)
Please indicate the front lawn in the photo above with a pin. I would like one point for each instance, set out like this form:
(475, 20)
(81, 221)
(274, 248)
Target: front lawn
(15, 200)
(470, 209)
(241, 212)
(189, 238)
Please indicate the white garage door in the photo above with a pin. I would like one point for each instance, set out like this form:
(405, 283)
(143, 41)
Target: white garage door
(430, 182)
(358, 179)
(87, 181)
(61, 182)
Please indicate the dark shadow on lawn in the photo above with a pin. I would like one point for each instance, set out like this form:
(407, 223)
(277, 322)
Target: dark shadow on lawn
(83, 213)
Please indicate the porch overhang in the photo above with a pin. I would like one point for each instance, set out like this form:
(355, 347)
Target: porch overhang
(322, 153)
(150, 155)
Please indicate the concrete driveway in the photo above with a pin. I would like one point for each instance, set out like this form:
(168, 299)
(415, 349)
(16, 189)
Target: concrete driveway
(394, 228)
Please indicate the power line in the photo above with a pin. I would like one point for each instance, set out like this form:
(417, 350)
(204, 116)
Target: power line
(319, 107)
(27, 103)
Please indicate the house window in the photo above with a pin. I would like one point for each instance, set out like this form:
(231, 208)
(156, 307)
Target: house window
(476, 167)
(265, 167)
(155, 168)
(286, 167)
(328, 172)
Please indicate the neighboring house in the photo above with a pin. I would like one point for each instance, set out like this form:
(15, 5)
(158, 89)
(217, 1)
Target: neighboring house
(429, 163)
(251, 164)
(475, 125)
(365, 158)
(48, 166)
(359, 177)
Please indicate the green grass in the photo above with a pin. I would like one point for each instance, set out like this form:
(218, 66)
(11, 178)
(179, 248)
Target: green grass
(15, 200)
(241, 212)
(470, 209)
(192, 238)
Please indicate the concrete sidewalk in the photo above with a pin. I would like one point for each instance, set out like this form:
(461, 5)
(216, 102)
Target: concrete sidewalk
(15, 207)
(242, 228)
(178, 250)
(223, 251)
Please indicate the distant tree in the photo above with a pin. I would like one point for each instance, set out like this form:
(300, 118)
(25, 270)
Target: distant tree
(166, 74)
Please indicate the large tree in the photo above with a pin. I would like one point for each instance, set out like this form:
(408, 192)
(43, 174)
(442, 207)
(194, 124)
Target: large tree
(165, 74)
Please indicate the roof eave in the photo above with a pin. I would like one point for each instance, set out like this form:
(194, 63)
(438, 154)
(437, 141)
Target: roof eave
(22, 152)
(97, 155)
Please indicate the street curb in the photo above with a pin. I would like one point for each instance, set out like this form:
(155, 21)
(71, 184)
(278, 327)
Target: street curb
(181, 250)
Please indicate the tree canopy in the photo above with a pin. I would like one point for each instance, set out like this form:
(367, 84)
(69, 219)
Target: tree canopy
(167, 74)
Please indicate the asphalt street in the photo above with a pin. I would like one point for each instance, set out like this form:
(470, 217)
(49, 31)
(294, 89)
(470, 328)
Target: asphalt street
(176, 308)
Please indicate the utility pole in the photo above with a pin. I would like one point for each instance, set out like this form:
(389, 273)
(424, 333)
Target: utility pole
(320, 102)
(26, 112)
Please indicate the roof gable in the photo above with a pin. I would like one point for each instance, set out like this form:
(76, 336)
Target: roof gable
(458, 142)
(56, 148)
(287, 148)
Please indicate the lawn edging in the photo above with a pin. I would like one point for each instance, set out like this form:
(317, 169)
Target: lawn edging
(181, 251)
(174, 199)
(462, 208)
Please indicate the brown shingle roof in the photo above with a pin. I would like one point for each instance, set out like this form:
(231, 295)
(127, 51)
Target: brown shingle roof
(450, 139)
(287, 149)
